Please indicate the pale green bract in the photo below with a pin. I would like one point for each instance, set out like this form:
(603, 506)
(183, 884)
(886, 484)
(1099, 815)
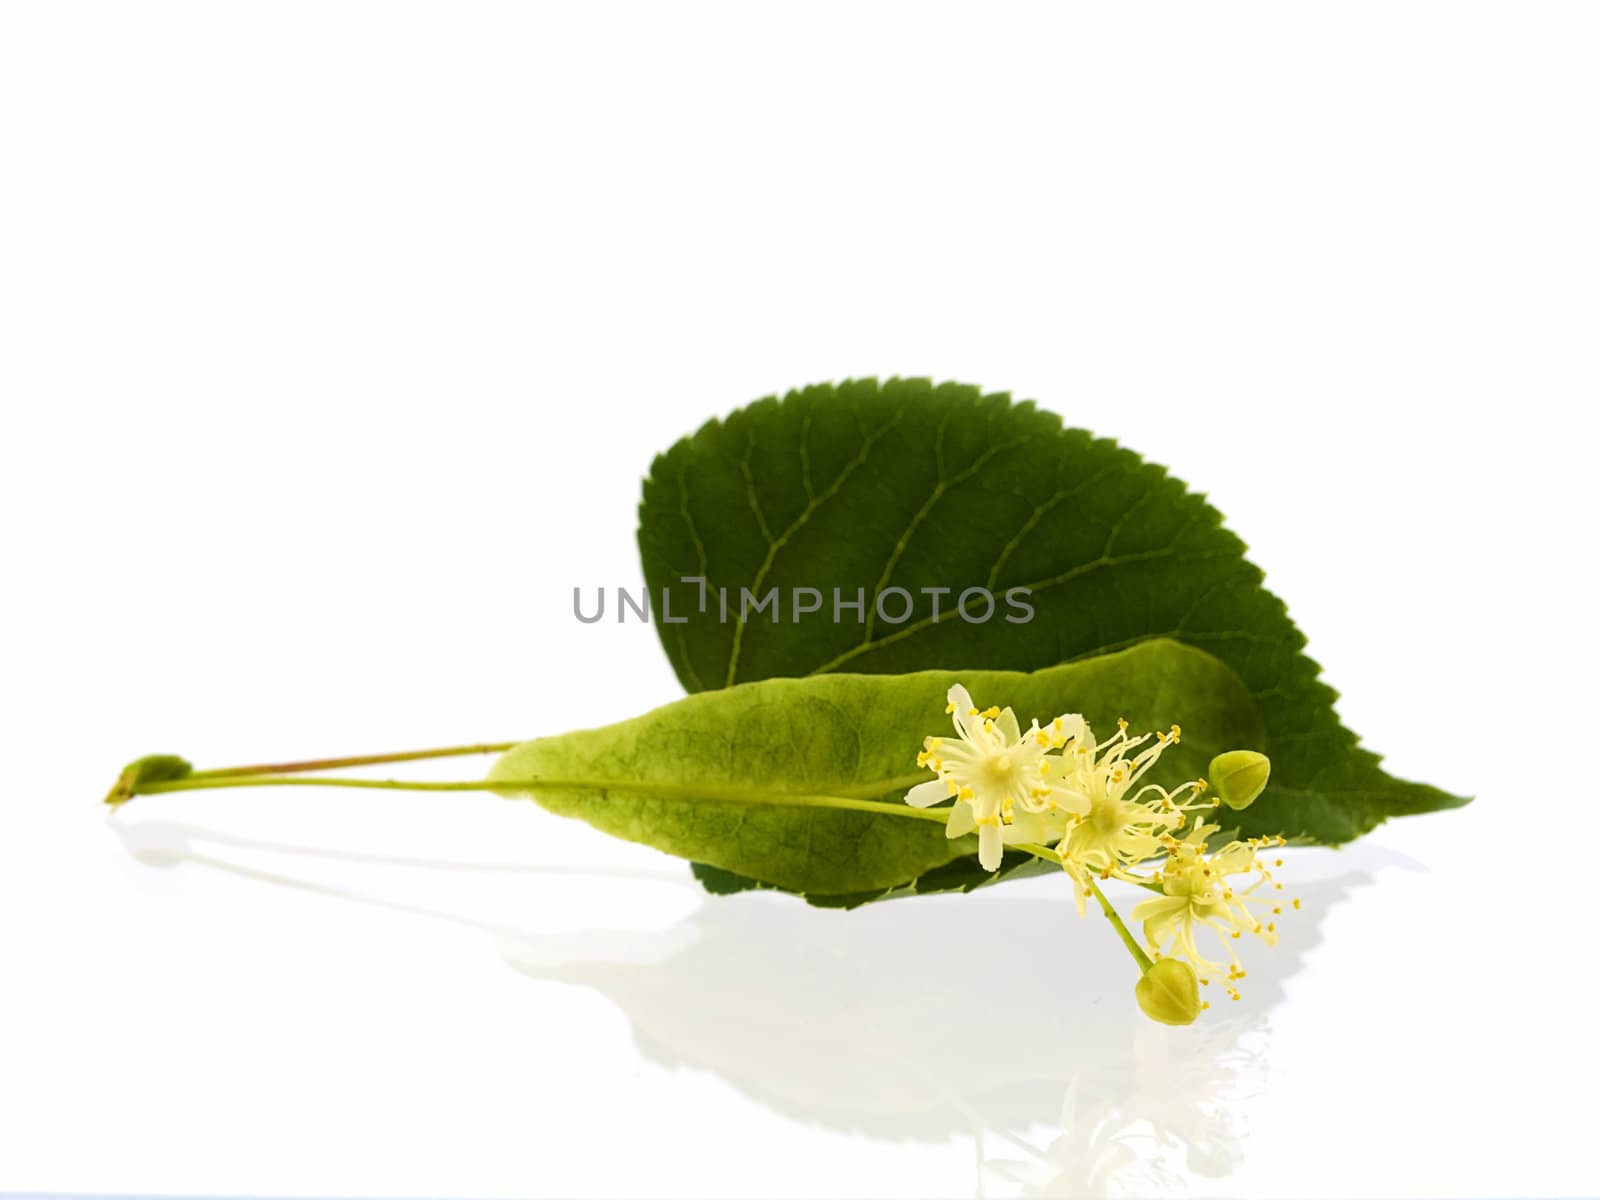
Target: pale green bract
(749, 779)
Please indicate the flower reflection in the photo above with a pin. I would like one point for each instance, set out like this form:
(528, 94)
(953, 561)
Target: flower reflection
(858, 1020)
(1174, 1117)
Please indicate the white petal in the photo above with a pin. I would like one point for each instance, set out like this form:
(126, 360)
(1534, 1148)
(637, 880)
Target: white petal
(954, 754)
(961, 821)
(961, 710)
(1033, 827)
(1072, 726)
(1026, 755)
(991, 846)
(1071, 800)
(925, 794)
(1006, 723)
(1080, 885)
(1157, 912)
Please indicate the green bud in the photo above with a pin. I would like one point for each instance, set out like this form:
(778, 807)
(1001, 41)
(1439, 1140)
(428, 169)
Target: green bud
(152, 768)
(1169, 992)
(1239, 776)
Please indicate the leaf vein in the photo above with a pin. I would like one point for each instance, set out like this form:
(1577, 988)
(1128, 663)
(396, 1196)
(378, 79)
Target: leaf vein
(1039, 513)
(869, 441)
(942, 486)
(1067, 576)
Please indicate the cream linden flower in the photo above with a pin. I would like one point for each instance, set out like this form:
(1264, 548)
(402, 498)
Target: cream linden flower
(1197, 892)
(1120, 820)
(995, 774)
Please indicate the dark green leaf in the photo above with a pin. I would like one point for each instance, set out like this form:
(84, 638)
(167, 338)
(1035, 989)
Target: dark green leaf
(902, 484)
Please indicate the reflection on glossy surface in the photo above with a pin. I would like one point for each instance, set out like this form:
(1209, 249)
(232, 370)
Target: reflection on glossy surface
(1004, 1018)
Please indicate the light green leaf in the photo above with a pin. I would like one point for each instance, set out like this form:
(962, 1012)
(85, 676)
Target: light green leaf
(902, 484)
(737, 778)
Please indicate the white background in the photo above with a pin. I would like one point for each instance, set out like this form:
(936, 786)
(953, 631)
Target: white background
(334, 340)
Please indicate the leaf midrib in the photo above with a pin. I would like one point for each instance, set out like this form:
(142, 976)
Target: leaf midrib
(855, 797)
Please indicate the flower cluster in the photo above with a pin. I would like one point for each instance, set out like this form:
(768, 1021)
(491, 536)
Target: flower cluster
(1053, 785)
(1056, 792)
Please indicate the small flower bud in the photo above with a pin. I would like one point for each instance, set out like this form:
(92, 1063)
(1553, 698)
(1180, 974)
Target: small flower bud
(1239, 776)
(1169, 992)
(152, 768)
